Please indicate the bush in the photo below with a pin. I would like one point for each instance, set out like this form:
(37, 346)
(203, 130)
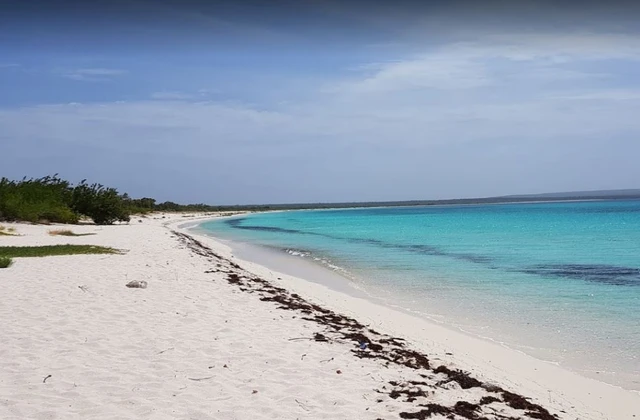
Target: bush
(5, 262)
(104, 205)
(60, 215)
(53, 250)
(33, 200)
(140, 205)
(51, 199)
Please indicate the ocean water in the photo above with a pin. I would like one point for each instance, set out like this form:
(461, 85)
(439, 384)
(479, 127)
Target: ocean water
(560, 281)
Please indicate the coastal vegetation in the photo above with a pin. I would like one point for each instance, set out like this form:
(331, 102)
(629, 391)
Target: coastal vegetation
(53, 250)
(52, 199)
(5, 262)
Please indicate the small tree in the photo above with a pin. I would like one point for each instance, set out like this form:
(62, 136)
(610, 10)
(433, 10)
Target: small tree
(104, 205)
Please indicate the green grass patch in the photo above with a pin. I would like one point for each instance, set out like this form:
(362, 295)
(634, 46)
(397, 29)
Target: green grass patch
(52, 250)
(67, 232)
(5, 262)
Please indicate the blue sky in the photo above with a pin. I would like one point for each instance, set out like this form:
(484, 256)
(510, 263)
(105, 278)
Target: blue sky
(323, 100)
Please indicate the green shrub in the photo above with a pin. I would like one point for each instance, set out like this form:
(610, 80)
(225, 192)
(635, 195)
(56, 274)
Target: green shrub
(60, 215)
(139, 206)
(5, 262)
(51, 199)
(33, 200)
(104, 205)
(50, 250)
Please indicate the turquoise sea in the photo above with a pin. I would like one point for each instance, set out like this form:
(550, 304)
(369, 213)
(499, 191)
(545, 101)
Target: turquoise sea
(560, 281)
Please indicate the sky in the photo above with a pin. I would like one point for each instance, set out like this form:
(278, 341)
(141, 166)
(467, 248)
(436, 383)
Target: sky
(322, 101)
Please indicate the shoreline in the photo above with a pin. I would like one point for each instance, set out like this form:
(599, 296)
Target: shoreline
(318, 269)
(513, 366)
(217, 337)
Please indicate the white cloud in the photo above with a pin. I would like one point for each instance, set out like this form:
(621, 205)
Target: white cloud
(143, 124)
(521, 87)
(200, 94)
(512, 101)
(351, 143)
(93, 74)
(603, 95)
(561, 47)
(166, 95)
(482, 63)
(187, 128)
(436, 71)
(330, 150)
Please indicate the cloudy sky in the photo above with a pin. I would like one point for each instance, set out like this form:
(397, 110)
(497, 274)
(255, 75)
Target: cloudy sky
(324, 100)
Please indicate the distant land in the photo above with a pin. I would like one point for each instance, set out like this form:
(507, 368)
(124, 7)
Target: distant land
(626, 194)
(608, 194)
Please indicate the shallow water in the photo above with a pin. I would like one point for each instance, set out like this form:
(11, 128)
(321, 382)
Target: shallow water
(560, 281)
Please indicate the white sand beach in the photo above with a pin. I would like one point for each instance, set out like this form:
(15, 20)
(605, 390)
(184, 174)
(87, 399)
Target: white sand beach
(216, 337)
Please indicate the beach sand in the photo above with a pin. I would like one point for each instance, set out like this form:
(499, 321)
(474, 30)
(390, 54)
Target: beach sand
(215, 337)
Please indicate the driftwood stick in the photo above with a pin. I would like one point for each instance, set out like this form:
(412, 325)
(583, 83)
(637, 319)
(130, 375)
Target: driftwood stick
(302, 405)
(200, 379)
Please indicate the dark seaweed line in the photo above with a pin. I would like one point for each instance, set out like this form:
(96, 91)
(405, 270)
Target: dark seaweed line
(369, 344)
